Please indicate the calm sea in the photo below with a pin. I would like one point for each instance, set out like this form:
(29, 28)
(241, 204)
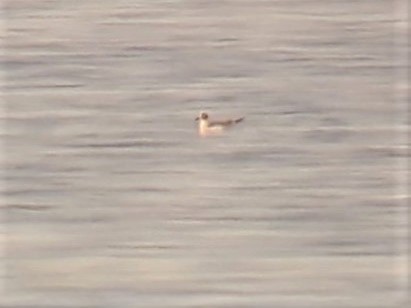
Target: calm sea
(111, 199)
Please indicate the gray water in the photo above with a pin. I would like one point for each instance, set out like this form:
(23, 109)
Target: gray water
(112, 199)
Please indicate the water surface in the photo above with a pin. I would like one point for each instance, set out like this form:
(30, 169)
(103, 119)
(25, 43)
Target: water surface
(113, 200)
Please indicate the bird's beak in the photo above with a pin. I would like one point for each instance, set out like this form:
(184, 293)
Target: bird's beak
(196, 119)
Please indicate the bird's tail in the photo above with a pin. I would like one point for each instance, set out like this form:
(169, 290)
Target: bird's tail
(238, 120)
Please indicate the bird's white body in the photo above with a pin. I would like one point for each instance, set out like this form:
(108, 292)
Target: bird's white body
(205, 129)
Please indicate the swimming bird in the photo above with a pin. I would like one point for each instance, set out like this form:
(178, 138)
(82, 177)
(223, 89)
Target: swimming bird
(206, 127)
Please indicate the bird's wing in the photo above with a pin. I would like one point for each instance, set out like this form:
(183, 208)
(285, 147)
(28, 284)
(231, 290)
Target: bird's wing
(221, 123)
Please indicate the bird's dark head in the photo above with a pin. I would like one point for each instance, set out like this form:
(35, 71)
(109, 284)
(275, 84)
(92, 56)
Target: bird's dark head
(203, 116)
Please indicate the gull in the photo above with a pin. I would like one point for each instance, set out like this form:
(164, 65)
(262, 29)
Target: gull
(206, 127)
